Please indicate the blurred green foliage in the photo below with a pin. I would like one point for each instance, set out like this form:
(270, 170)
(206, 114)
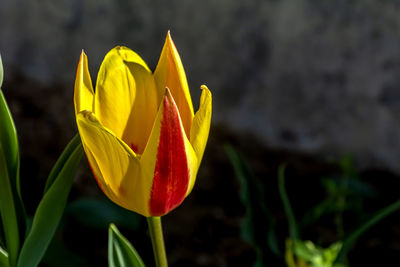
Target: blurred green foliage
(344, 192)
(306, 253)
(258, 225)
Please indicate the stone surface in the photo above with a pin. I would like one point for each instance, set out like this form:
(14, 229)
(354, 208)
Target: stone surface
(312, 76)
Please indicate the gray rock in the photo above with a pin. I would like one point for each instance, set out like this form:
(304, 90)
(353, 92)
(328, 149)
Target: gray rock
(315, 76)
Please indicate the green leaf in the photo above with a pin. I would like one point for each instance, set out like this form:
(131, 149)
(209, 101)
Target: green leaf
(51, 207)
(3, 258)
(120, 251)
(258, 224)
(10, 155)
(7, 209)
(76, 141)
(8, 138)
(1, 72)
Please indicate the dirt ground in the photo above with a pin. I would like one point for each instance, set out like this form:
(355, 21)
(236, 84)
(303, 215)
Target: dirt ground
(206, 229)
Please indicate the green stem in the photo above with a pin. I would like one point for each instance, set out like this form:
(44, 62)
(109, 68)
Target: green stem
(349, 241)
(157, 240)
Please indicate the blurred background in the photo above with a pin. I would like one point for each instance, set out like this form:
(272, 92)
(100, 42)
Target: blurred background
(314, 84)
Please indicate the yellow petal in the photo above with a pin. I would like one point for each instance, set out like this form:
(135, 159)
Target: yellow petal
(126, 99)
(193, 163)
(115, 165)
(170, 73)
(201, 123)
(83, 92)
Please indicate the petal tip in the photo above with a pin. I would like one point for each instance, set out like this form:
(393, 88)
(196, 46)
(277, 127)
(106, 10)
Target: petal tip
(168, 41)
(167, 94)
(204, 87)
(205, 90)
(83, 56)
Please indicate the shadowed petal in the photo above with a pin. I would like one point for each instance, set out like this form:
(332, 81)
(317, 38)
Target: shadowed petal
(115, 165)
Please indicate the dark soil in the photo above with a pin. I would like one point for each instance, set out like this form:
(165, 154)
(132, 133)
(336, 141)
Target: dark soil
(205, 229)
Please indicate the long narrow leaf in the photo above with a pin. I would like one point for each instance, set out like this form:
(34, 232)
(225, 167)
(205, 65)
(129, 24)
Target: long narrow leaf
(61, 161)
(50, 209)
(8, 138)
(121, 253)
(3, 258)
(2, 242)
(10, 153)
(8, 213)
(293, 229)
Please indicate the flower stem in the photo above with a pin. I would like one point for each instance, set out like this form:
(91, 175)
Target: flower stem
(157, 240)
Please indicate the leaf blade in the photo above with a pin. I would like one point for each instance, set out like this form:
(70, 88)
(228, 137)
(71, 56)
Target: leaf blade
(50, 209)
(3, 258)
(76, 140)
(7, 210)
(121, 253)
(10, 155)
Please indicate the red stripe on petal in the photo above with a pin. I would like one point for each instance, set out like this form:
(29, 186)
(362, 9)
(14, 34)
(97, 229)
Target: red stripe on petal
(134, 147)
(171, 174)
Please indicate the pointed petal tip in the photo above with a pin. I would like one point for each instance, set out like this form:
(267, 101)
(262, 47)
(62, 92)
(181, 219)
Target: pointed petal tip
(82, 59)
(83, 54)
(167, 94)
(168, 98)
(169, 41)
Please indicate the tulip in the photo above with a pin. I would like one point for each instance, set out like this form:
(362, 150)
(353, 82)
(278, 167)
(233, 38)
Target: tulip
(141, 137)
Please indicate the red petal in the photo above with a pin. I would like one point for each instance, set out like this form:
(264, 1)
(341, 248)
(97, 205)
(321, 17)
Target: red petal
(171, 174)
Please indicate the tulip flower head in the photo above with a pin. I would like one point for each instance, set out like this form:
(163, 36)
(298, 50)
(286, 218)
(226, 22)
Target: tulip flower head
(141, 137)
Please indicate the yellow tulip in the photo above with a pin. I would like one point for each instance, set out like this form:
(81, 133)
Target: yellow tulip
(141, 137)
